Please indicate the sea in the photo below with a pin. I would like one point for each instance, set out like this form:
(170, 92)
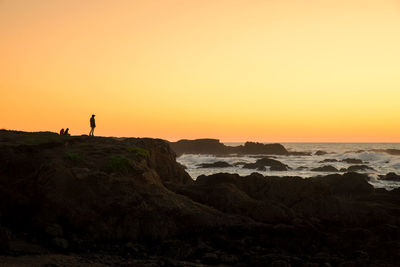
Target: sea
(372, 155)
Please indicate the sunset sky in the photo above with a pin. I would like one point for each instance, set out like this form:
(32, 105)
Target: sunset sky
(260, 70)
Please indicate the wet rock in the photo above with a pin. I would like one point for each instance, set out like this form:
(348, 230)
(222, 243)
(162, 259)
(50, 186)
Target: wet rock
(320, 153)
(347, 184)
(356, 168)
(391, 176)
(299, 153)
(328, 160)
(326, 168)
(274, 164)
(301, 168)
(279, 168)
(218, 164)
(239, 163)
(352, 161)
(395, 152)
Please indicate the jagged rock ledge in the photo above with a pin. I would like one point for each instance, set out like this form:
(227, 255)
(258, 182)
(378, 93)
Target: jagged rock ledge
(127, 200)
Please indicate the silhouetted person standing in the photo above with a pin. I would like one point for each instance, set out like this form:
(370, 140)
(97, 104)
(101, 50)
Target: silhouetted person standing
(92, 125)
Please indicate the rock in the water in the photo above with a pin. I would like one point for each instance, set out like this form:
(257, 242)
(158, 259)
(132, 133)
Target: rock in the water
(320, 153)
(218, 164)
(301, 168)
(259, 148)
(391, 176)
(328, 160)
(356, 168)
(274, 165)
(353, 161)
(326, 168)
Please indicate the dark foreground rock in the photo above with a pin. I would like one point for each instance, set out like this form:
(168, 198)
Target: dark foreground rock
(80, 201)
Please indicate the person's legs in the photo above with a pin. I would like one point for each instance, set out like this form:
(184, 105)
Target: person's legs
(91, 132)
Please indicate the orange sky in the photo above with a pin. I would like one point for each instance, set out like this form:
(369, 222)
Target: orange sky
(276, 70)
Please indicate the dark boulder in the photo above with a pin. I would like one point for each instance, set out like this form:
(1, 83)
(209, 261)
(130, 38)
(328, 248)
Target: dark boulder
(274, 165)
(326, 168)
(328, 160)
(394, 152)
(347, 184)
(299, 153)
(391, 176)
(301, 168)
(240, 163)
(320, 153)
(352, 161)
(356, 168)
(218, 164)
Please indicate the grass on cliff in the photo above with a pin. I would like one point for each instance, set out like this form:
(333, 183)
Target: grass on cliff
(139, 152)
(10, 137)
(118, 164)
(74, 157)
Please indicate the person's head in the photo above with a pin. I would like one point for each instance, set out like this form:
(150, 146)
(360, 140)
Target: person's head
(67, 129)
(93, 115)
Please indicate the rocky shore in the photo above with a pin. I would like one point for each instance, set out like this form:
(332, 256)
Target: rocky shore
(81, 201)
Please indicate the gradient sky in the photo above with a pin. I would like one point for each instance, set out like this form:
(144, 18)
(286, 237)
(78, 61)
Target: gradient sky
(270, 71)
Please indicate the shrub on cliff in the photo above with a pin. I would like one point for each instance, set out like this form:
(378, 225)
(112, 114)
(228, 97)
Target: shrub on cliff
(74, 157)
(118, 164)
(139, 152)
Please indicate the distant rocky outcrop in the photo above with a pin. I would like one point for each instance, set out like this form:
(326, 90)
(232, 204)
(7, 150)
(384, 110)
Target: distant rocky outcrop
(214, 146)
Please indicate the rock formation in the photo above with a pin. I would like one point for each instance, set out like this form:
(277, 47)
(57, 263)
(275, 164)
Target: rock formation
(325, 168)
(106, 201)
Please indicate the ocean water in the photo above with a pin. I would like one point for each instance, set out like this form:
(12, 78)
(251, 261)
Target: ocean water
(380, 161)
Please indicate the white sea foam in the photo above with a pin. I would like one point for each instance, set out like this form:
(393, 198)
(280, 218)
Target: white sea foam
(381, 162)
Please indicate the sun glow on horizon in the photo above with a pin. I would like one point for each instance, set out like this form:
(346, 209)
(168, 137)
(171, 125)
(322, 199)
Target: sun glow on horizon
(268, 71)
